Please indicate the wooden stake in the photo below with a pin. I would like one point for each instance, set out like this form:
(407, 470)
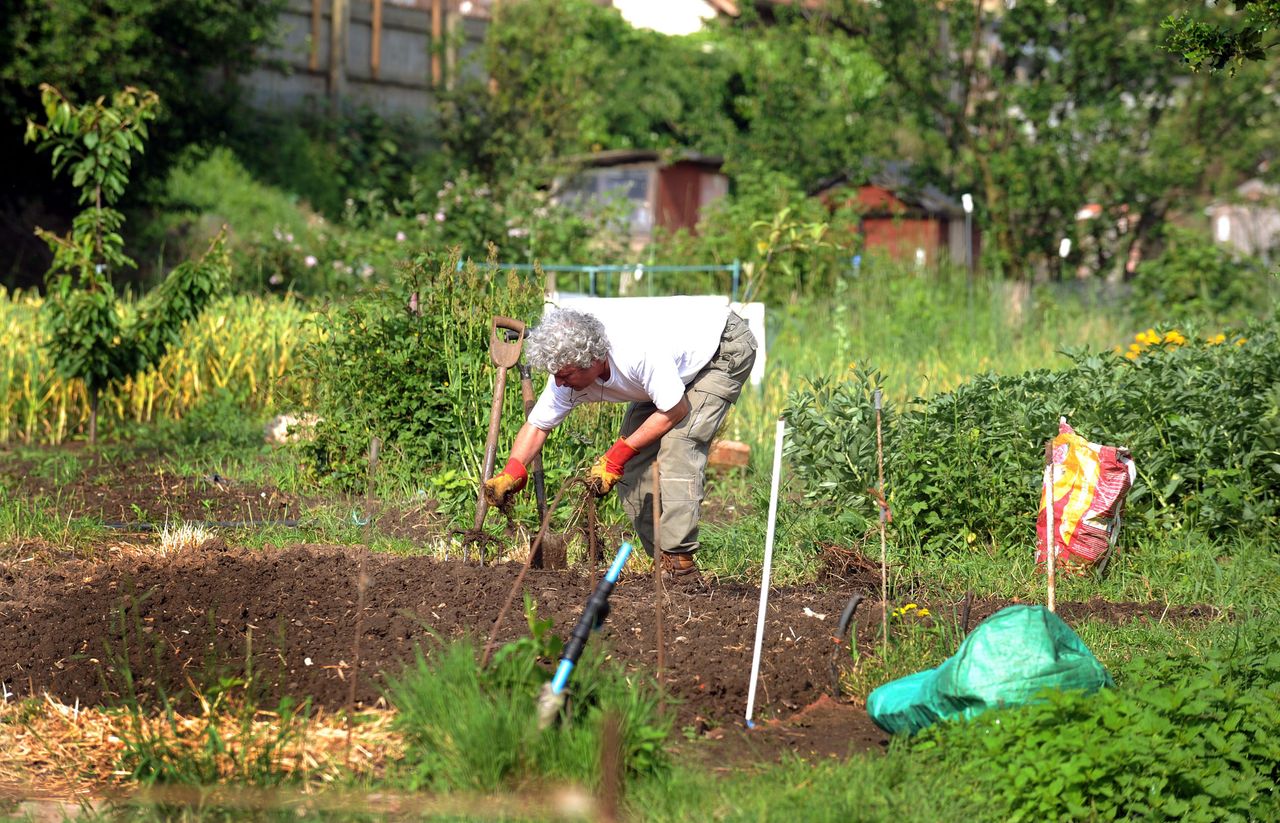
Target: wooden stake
(437, 32)
(375, 46)
(610, 766)
(313, 58)
(884, 557)
(658, 592)
(362, 583)
(338, 11)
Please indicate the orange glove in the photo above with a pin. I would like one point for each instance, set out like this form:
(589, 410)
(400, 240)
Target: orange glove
(499, 489)
(607, 471)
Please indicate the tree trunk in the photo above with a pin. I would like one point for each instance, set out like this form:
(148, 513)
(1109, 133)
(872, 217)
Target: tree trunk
(93, 416)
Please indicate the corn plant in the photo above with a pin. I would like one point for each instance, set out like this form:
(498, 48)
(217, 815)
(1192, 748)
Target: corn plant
(243, 345)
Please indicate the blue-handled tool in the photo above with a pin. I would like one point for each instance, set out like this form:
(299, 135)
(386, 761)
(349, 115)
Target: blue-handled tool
(551, 701)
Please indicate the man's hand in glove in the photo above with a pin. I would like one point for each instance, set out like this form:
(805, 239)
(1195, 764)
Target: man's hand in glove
(607, 471)
(503, 486)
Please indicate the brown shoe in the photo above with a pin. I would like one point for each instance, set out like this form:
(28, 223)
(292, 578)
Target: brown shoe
(679, 565)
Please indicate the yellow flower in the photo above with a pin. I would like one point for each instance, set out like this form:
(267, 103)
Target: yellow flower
(1148, 337)
(1175, 337)
(922, 613)
(1133, 355)
(1242, 341)
(1217, 339)
(1135, 347)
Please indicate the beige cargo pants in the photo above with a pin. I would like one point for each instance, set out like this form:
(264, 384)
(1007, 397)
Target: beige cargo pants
(682, 452)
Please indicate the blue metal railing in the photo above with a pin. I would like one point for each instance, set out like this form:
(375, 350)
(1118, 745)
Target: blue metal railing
(593, 272)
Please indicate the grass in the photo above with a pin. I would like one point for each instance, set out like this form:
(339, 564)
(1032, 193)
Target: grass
(36, 521)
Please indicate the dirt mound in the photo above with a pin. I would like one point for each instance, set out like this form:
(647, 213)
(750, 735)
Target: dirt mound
(290, 614)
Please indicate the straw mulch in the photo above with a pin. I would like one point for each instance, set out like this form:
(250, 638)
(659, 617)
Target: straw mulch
(55, 750)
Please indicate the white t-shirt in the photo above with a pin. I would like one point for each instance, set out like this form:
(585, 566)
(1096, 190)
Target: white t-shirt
(651, 357)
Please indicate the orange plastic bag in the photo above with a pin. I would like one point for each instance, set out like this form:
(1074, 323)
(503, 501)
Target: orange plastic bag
(1090, 483)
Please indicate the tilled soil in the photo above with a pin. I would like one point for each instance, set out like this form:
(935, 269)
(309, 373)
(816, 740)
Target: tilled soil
(140, 492)
(290, 614)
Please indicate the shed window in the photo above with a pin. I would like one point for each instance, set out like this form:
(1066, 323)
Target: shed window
(601, 186)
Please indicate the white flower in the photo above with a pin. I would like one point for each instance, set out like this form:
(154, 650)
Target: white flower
(440, 216)
(275, 279)
(311, 261)
(517, 232)
(422, 219)
(288, 238)
(401, 237)
(366, 271)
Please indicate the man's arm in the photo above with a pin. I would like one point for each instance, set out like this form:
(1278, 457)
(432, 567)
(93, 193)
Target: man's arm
(658, 424)
(529, 442)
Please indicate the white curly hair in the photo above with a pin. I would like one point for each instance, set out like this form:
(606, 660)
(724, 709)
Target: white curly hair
(566, 337)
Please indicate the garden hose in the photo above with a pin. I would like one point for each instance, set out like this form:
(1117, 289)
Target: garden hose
(551, 700)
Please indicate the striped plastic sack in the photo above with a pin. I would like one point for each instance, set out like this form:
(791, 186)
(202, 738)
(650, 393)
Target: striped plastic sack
(1089, 486)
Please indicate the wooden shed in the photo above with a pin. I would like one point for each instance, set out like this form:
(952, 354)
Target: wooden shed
(667, 191)
(901, 220)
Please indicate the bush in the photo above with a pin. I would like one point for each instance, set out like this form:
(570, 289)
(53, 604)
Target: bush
(1189, 737)
(1202, 419)
(1197, 278)
(420, 379)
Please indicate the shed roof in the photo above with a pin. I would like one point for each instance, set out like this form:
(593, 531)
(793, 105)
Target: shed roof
(622, 157)
(895, 177)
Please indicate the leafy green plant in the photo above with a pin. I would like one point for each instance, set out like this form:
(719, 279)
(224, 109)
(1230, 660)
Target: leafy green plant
(472, 728)
(88, 338)
(1191, 736)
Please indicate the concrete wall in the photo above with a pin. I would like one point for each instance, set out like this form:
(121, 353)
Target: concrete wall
(285, 81)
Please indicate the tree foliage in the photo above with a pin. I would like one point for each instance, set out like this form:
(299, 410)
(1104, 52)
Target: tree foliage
(570, 76)
(1217, 44)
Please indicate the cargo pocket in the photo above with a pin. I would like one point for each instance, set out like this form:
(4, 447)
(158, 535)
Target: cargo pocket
(708, 408)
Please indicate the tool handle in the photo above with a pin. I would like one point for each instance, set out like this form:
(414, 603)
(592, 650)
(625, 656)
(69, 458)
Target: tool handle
(509, 323)
(535, 465)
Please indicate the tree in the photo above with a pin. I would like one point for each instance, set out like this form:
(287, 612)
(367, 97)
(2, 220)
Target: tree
(570, 76)
(1048, 106)
(91, 337)
(1218, 45)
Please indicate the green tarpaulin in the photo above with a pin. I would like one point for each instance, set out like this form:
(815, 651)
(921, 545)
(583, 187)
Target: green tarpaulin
(1005, 661)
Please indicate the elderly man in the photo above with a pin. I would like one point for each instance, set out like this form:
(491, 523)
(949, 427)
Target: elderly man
(680, 372)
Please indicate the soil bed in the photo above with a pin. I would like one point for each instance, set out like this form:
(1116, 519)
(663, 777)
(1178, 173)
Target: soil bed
(67, 628)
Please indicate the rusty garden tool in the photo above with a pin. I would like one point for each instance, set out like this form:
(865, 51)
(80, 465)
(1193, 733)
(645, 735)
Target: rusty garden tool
(535, 465)
(505, 341)
(550, 552)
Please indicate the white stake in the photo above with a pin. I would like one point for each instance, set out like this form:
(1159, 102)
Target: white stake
(1050, 539)
(768, 567)
(884, 553)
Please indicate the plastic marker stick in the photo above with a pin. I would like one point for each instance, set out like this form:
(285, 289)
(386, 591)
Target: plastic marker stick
(768, 567)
